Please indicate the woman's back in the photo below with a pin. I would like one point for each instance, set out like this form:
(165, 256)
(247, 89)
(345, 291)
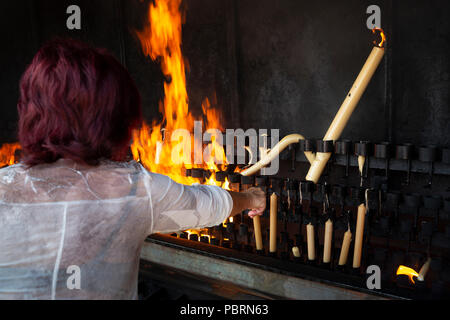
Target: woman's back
(63, 214)
(56, 218)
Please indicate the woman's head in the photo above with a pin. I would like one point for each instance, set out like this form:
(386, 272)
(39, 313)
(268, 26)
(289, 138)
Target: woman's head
(76, 102)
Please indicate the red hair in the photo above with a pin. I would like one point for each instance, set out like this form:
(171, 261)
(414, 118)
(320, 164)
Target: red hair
(76, 102)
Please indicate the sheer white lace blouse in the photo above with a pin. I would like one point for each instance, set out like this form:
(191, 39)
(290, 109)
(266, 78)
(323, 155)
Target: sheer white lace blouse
(58, 215)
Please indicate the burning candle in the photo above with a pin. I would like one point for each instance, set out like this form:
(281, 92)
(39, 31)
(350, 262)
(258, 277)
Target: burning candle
(327, 241)
(359, 236)
(411, 273)
(345, 247)
(273, 222)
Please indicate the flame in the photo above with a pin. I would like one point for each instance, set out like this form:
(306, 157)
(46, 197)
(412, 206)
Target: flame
(191, 231)
(212, 182)
(206, 235)
(224, 223)
(200, 233)
(382, 35)
(7, 154)
(407, 271)
(226, 185)
(161, 39)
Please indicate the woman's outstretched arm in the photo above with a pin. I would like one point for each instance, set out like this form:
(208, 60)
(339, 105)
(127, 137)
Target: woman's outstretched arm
(177, 207)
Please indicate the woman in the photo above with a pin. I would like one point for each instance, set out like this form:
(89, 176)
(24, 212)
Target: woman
(74, 204)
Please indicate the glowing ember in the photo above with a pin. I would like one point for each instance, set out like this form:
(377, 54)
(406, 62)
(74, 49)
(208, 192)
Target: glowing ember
(407, 271)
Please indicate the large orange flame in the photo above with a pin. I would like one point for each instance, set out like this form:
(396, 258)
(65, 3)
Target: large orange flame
(162, 39)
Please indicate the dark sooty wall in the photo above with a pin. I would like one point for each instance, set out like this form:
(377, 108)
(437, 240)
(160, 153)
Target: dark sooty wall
(284, 64)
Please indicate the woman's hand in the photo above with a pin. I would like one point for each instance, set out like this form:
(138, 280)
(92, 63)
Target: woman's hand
(257, 201)
(253, 199)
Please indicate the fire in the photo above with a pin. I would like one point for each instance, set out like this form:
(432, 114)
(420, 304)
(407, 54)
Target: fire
(7, 154)
(152, 145)
(407, 271)
(161, 39)
(382, 35)
(226, 185)
(200, 233)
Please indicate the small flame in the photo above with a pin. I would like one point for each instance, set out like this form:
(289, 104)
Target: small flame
(189, 232)
(226, 185)
(7, 154)
(212, 181)
(238, 170)
(407, 271)
(382, 35)
(205, 235)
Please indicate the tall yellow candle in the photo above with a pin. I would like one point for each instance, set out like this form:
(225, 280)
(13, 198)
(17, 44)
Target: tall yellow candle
(273, 222)
(310, 241)
(327, 241)
(257, 231)
(345, 247)
(359, 234)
